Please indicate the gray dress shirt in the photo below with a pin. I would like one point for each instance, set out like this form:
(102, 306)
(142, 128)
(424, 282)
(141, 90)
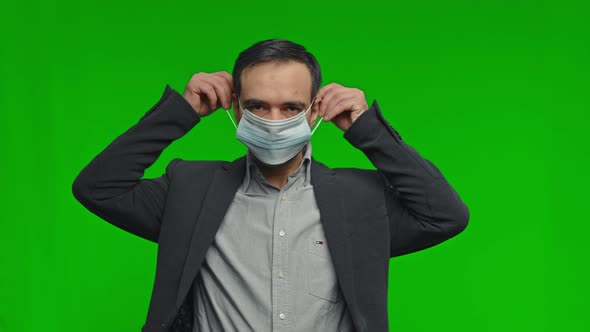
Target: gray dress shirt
(269, 267)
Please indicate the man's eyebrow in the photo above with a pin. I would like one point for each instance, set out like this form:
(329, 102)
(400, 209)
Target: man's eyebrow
(253, 102)
(250, 102)
(295, 103)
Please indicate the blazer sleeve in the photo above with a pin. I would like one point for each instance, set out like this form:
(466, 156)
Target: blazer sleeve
(423, 208)
(110, 186)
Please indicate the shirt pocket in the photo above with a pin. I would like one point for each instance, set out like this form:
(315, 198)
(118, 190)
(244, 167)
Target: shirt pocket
(322, 280)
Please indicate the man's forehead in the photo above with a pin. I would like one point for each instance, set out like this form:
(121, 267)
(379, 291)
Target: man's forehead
(291, 72)
(276, 66)
(266, 80)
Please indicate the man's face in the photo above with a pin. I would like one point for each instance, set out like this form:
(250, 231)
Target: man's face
(276, 90)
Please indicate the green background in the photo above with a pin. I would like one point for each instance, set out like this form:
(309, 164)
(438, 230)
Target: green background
(495, 93)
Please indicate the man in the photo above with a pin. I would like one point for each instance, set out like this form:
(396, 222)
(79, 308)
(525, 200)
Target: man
(273, 241)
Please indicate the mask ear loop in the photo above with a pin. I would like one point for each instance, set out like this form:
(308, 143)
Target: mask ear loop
(232, 119)
(316, 127)
(320, 120)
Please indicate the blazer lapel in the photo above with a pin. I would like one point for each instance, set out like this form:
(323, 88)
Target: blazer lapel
(330, 202)
(218, 198)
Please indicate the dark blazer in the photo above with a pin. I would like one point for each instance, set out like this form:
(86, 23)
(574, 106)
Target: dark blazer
(368, 216)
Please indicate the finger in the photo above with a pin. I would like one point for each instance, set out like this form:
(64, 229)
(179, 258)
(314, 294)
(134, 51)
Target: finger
(327, 94)
(341, 109)
(210, 93)
(333, 97)
(325, 89)
(222, 90)
(227, 82)
(342, 105)
(227, 77)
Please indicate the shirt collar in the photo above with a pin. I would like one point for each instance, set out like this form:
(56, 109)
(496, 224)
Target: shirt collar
(303, 169)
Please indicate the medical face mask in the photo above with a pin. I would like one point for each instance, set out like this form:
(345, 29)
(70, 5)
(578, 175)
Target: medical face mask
(273, 142)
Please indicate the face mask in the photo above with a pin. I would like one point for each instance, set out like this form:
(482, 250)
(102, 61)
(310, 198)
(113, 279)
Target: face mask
(273, 142)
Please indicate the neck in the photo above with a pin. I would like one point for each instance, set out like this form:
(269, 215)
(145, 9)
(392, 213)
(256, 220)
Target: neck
(279, 174)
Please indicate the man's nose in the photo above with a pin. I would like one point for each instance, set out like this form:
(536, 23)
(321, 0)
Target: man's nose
(275, 114)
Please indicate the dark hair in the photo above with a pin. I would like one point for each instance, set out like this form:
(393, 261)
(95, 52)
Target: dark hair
(276, 50)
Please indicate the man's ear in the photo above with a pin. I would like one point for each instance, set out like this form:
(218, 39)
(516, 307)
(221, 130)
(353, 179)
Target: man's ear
(315, 111)
(236, 107)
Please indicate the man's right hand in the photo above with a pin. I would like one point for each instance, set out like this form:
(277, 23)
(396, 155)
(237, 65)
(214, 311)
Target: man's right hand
(206, 92)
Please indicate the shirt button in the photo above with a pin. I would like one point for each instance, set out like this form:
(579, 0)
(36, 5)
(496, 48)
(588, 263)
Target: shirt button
(284, 198)
(282, 315)
(282, 233)
(280, 274)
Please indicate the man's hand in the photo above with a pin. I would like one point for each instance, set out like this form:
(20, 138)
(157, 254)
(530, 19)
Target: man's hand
(206, 92)
(340, 104)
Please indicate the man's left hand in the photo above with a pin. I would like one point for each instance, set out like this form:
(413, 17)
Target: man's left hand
(340, 104)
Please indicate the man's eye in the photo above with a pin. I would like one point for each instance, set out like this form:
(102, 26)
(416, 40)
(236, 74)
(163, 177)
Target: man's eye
(256, 107)
(294, 109)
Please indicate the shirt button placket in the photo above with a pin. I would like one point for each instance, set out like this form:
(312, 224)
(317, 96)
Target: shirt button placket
(283, 218)
(279, 255)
